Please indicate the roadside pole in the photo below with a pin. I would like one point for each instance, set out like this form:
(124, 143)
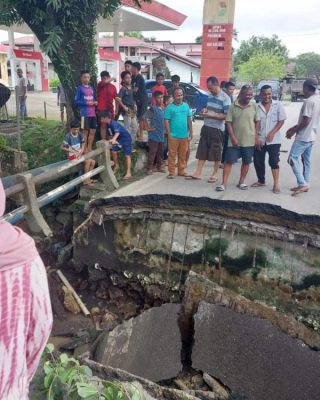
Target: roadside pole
(18, 117)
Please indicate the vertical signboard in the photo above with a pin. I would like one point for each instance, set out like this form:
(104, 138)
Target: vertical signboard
(218, 18)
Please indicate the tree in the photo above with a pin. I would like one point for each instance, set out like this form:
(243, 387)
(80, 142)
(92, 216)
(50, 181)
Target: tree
(255, 44)
(262, 65)
(134, 34)
(66, 30)
(308, 65)
(139, 35)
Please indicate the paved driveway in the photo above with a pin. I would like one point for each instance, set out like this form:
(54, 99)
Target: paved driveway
(307, 203)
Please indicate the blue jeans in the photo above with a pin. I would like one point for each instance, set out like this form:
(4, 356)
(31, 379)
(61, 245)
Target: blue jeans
(23, 106)
(300, 161)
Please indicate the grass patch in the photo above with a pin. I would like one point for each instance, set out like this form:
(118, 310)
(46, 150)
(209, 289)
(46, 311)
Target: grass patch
(41, 140)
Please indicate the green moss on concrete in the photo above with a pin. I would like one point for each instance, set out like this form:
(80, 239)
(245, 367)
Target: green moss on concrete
(251, 259)
(308, 281)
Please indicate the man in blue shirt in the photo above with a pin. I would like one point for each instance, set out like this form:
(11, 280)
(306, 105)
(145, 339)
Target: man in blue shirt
(178, 123)
(85, 98)
(120, 140)
(156, 129)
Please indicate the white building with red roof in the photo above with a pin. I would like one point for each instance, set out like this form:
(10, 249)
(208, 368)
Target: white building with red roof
(152, 16)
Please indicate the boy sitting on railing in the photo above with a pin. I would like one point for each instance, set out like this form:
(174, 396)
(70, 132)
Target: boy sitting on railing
(74, 144)
(120, 140)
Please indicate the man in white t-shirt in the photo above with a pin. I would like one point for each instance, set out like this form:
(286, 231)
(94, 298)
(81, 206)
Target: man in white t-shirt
(306, 131)
(272, 117)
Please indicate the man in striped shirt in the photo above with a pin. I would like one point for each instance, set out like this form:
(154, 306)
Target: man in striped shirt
(212, 133)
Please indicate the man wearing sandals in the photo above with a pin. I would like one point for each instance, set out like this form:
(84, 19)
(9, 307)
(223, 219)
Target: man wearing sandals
(305, 131)
(212, 133)
(272, 118)
(243, 124)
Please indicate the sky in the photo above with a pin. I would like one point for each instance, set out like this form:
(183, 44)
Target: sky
(296, 22)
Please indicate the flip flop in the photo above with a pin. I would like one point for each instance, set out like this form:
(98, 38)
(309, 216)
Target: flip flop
(301, 190)
(220, 188)
(258, 184)
(191, 177)
(242, 186)
(212, 180)
(126, 178)
(276, 191)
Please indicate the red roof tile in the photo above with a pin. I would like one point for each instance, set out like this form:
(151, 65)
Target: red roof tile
(158, 10)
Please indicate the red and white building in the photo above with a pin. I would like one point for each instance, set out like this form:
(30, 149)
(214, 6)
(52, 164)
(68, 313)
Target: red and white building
(175, 55)
(153, 16)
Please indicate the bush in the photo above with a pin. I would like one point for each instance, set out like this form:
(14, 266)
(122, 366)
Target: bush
(54, 83)
(65, 378)
(41, 140)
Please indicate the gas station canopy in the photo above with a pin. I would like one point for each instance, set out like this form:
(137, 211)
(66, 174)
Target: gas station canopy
(129, 17)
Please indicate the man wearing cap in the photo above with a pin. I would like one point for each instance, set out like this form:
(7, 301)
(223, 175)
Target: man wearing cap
(305, 131)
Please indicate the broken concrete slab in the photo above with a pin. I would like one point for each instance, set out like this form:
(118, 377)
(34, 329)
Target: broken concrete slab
(199, 288)
(252, 356)
(148, 345)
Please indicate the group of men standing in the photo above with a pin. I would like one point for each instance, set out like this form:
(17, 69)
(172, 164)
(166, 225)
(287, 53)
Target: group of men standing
(248, 131)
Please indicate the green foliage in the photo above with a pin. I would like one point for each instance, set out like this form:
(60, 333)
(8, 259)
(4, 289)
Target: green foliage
(3, 142)
(66, 30)
(54, 82)
(41, 140)
(307, 65)
(134, 34)
(262, 65)
(64, 377)
(53, 40)
(260, 44)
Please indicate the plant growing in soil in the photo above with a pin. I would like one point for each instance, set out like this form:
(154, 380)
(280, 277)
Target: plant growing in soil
(63, 377)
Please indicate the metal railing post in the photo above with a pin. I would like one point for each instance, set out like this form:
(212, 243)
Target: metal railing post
(33, 216)
(18, 117)
(107, 176)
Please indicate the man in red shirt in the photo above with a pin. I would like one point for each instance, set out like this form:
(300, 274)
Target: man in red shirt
(107, 93)
(159, 86)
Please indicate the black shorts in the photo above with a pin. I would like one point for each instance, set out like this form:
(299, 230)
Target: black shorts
(141, 109)
(88, 123)
(210, 144)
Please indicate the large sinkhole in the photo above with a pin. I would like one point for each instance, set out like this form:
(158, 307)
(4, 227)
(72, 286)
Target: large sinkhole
(216, 299)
